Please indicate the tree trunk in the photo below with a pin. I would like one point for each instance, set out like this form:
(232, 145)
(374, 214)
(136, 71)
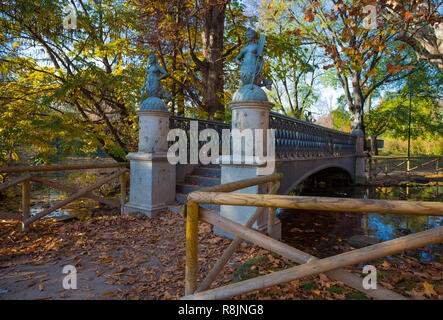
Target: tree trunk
(213, 12)
(356, 106)
(374, 147)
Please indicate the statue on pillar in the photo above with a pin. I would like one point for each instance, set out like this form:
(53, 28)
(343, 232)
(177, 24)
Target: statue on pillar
(152, 86)
(251, 61)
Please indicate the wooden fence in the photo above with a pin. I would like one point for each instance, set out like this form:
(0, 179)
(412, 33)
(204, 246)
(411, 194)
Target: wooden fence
(308, 264)
(26, 179)
(389, 165)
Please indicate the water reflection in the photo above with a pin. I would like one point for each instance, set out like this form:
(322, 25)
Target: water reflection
(382, 227)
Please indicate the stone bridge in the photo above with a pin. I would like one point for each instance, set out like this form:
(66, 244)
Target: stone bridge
(302, 149)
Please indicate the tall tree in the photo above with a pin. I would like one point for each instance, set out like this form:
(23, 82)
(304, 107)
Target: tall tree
(72, 88)
(293, 70)
(194, 33)
(363, 58)
(418, 23)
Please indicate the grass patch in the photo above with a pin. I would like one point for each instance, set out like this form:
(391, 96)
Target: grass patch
(335, 289)
(249, 269)
(356, 296)
(309, 286)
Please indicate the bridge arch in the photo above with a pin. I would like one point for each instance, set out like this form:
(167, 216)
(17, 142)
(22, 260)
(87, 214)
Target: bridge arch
(295, 173)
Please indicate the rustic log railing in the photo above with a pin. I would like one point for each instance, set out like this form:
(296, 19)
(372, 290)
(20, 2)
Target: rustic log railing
(389, 165)
(309, 265)
(295, 138)
(27, 178)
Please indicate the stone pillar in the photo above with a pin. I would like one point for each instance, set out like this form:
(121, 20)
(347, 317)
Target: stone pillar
(246, 115)
(152, 184)
(360, 157)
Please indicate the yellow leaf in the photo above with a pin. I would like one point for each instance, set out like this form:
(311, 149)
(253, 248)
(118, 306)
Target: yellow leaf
(429, 289)
(317, 292)
(386, 264)
(41, 287)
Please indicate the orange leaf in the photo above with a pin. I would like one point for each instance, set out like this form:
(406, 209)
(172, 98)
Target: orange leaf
(107, 259)
(309, 17)
(408, 15)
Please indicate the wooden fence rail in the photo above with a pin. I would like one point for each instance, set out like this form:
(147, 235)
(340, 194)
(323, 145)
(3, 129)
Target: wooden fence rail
(309, 265)
(389, 165)
(27, 178)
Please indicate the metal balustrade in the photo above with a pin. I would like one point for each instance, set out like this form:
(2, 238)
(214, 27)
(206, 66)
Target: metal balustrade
(294, 138)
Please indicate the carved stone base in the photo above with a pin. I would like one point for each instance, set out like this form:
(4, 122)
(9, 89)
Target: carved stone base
(152, 184)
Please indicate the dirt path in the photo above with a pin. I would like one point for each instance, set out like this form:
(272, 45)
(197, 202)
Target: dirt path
(133, 257)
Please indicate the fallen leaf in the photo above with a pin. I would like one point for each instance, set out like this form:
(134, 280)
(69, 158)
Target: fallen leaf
(109, 294)
(107, 259)
(429, 289)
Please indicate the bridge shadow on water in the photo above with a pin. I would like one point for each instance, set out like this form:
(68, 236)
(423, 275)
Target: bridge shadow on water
(328, 233)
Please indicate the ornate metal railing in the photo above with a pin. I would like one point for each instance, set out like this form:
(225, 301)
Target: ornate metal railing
(295, 138)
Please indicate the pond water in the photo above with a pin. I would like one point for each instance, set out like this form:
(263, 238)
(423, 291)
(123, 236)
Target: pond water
(43, 197)
(325, 232)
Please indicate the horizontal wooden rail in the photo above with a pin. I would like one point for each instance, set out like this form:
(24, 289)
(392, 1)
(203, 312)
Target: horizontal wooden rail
(65, 188)
(403, 158)
(62, 167)
(10, 215)
(426, 208)
(290, 253)
(315, 267)
(15, 181)
(242, 184)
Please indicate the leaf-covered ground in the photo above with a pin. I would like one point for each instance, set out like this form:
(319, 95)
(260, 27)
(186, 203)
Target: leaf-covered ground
(132, 257)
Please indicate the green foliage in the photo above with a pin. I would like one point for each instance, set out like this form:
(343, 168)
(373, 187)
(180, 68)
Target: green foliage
(75, 91)
(309, 286)
(249, 269)
(419, 146)
(68, 91)
(342, 118)
(356, 296)
(335, 289)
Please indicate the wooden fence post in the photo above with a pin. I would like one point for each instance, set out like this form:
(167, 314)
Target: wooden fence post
(122, 192)
(217, 268)
(191, 248)
(271, 217)
(26, 208)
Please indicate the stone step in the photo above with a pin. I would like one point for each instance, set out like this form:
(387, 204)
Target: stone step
(202, 180)
(211, 165)
(207, 171)
(187, 188)
(182, 198)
